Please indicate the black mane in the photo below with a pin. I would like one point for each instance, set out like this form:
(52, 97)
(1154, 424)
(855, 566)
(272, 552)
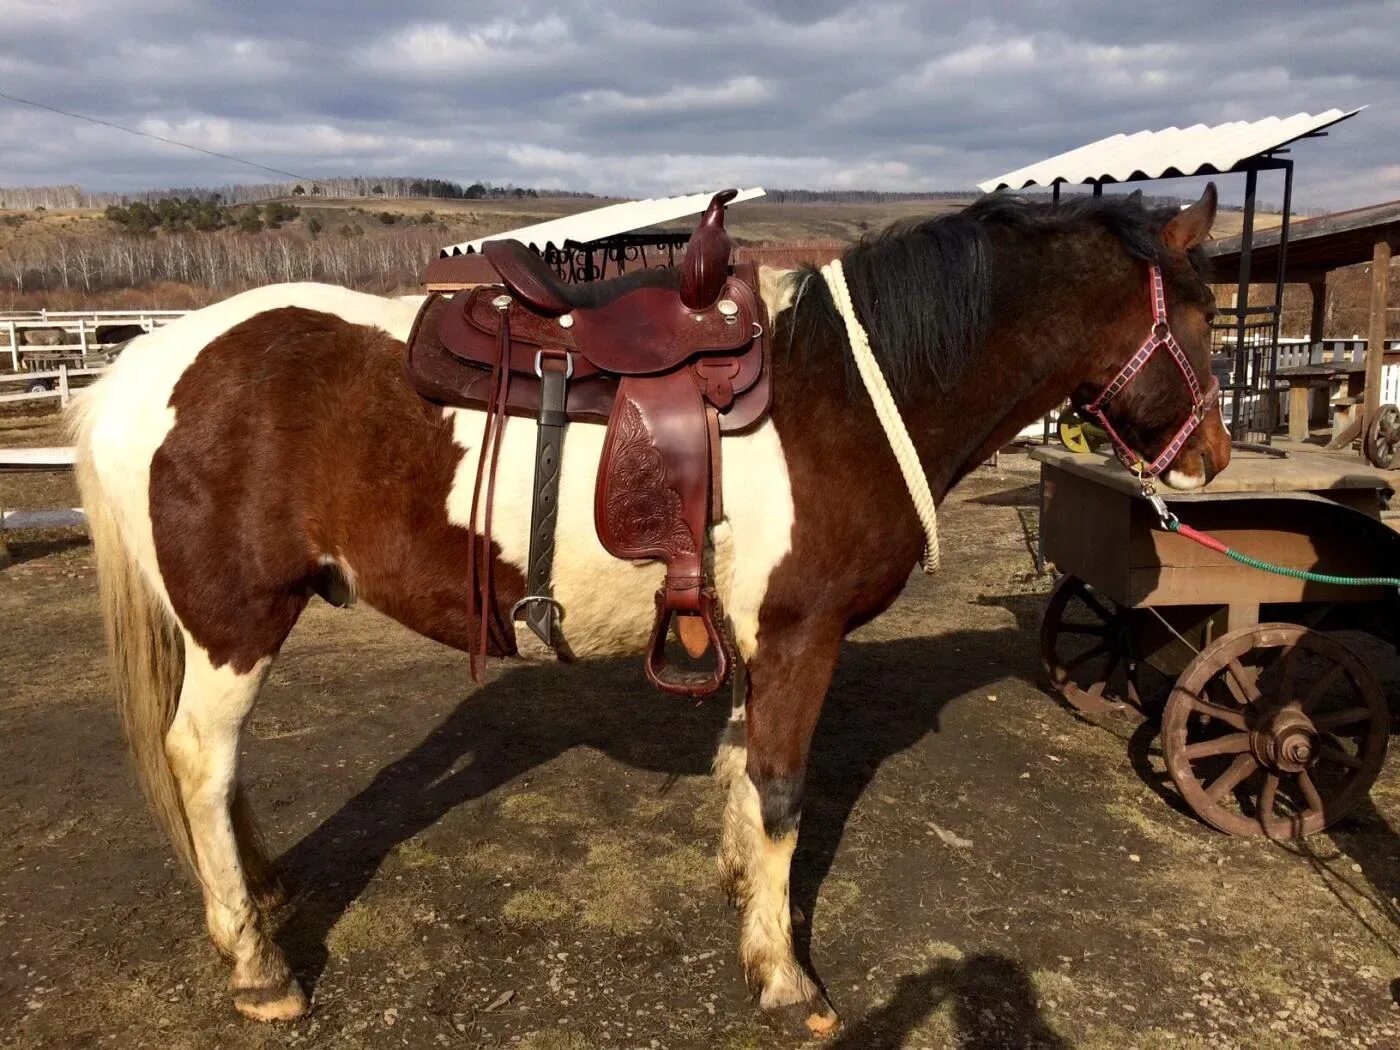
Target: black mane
(923, 289)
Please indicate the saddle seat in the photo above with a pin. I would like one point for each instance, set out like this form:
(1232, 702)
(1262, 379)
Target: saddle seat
(670, 360)
(531, 280)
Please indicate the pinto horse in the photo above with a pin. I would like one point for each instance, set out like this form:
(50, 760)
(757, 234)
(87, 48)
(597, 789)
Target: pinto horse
(268, 449)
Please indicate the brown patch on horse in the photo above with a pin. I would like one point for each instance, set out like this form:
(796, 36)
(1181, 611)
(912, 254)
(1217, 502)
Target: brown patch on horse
(244, 506)
(1066, 306)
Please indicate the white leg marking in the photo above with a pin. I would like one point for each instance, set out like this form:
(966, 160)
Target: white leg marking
(759, 868)
(203, 747)
(732, 754)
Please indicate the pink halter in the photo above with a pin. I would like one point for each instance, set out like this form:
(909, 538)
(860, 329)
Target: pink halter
(1160, 337)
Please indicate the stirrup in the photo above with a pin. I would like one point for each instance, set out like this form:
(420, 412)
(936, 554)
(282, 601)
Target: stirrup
(687, 683)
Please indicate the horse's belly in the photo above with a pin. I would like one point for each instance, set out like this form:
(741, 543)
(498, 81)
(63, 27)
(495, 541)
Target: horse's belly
(609, 604)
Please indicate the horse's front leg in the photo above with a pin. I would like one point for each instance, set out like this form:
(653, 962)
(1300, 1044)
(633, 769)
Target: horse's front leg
(763, 758)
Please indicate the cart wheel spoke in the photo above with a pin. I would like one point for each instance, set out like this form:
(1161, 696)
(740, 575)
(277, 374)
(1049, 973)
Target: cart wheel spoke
(1239, 771)
(1247, 681)
(1268, 797)
(1090, 599)
(1337, 755)
(1310, 792)
(1229, 744)
(1096, 630)
(1325, 723)
(1231, 718)
(1085, 657)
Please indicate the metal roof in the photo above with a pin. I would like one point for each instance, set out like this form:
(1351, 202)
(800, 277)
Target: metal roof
(1172, 152)
(602, 222)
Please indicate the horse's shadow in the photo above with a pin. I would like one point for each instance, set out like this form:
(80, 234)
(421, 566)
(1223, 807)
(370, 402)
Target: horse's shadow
(886, 696)
(993, 1006)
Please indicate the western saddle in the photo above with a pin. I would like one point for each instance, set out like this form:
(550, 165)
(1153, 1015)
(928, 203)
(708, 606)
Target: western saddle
(669, 359)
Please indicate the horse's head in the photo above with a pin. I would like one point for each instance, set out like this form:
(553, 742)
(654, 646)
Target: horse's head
(1152, 389)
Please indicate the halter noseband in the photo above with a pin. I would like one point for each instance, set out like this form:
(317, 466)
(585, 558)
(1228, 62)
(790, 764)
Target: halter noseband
(1160, 337)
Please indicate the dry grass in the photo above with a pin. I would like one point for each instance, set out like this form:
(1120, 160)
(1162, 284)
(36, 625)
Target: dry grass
(371, 926)
(534, 907)
(555, 1039)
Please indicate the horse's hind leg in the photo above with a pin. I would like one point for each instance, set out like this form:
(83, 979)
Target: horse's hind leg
(763, 757)
(202, 745)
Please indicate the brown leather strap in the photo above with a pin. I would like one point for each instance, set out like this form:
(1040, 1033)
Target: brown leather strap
(481, 582)
(716, 465)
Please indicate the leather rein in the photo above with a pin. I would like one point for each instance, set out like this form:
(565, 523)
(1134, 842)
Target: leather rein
(1159, 338)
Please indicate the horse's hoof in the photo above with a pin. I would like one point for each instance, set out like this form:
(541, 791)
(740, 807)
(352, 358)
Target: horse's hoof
(813, 1018)
(822, 1020)
(271, 1004)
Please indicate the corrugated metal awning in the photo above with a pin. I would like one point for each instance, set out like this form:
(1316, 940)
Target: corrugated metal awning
(1197, 150)
(603, 222)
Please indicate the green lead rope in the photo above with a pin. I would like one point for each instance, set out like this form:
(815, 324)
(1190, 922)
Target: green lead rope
(1172, 524)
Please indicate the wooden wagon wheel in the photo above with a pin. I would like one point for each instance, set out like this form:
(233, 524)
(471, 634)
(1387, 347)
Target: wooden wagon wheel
(1275, 730)
(1075, 434)
(1088, 649)
(1383, 438)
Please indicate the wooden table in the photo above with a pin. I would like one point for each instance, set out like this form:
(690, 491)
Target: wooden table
(1339, 377)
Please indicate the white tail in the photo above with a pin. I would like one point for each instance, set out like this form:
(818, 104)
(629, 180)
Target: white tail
(144, 644)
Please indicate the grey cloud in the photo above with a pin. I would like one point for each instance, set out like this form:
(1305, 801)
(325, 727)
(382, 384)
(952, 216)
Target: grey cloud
(672, 96)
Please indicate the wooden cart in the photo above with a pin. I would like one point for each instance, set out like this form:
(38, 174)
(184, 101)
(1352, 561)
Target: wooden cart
(1273, 722)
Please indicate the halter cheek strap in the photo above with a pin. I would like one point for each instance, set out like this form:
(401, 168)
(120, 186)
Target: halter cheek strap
(1159, 338)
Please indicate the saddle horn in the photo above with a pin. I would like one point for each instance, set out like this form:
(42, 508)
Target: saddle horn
(706, 262)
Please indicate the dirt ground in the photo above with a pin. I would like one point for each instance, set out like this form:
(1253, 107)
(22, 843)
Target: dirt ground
(527, 864)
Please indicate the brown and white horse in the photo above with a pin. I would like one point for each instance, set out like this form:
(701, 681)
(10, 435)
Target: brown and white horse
(267, 449)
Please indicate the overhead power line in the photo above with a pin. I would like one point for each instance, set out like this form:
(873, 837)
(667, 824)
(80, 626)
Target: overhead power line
(158, 138)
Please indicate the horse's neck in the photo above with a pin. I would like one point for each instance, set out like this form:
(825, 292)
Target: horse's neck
(1038, 348)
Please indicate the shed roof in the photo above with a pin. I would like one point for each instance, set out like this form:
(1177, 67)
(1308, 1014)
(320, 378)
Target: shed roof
(1171, 152)
(608, 221)
(1315, 246)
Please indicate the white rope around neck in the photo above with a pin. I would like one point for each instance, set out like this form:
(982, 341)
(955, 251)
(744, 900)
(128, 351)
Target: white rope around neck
(887, 411)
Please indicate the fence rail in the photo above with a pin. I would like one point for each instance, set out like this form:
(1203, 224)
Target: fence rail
(59, 378)
(84, 325)
(29, 460)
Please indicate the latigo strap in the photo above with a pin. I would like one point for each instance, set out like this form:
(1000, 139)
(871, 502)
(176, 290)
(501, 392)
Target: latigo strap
(541, 611)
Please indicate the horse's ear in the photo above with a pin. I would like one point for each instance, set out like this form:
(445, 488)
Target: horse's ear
(1135, 197)
(1190, 227)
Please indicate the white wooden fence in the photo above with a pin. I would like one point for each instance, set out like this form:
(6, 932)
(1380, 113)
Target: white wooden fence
(54, 384)
(27, 461)
(1294, 352)
(81, 326)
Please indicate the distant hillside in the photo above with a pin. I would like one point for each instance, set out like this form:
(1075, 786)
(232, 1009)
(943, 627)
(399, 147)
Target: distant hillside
(190, 251)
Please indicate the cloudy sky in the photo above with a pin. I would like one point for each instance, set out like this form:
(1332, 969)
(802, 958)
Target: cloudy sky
(644, 98)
